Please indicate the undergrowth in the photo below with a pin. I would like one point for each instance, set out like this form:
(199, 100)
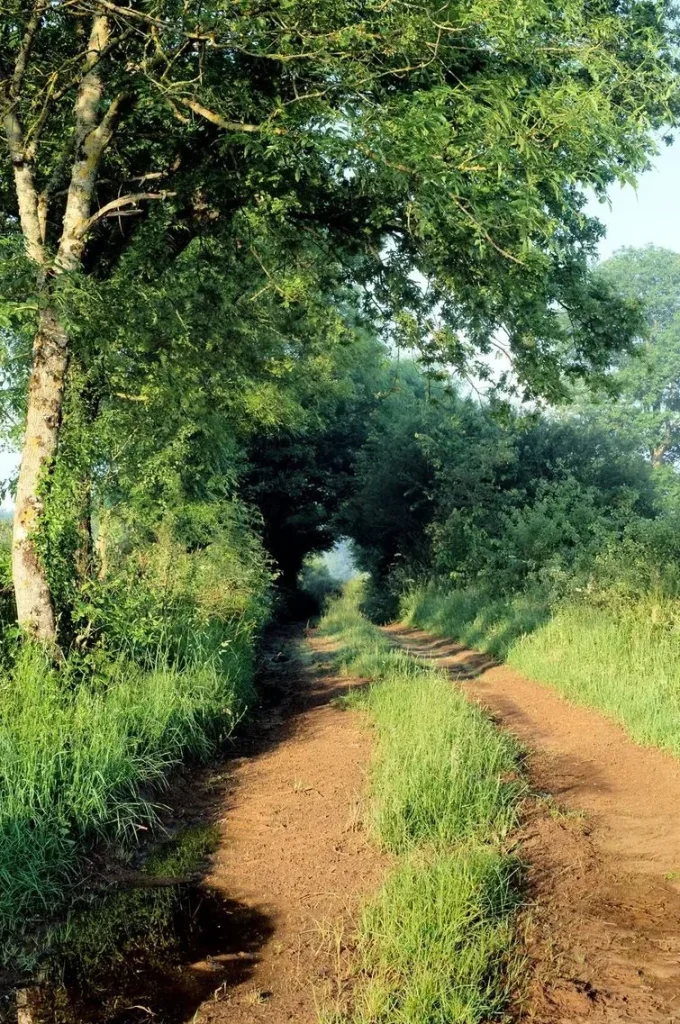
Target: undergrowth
(159, 672)
(436, 943)
(474, 617)
(622, 658)
(81, 760)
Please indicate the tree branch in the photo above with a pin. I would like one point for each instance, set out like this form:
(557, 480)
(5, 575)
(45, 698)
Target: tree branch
(90, 140)
(121, 202)
(39, 8)
(24, 179)
(148, 19)
(484, 232)
(221, 122)
(54, 95)
(129, 12)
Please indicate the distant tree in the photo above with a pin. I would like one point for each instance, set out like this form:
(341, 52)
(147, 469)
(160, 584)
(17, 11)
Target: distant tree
(390, 505)
(298, 476)
(648, 381)
(450, 489)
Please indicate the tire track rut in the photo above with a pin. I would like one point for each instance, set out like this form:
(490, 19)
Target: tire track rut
(602, 846)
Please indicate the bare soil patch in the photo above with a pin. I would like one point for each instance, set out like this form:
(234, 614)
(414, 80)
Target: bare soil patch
(602, 846)
(294, 848)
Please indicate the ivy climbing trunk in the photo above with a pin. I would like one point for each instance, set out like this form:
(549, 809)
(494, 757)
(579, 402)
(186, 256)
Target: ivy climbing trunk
(35, 609)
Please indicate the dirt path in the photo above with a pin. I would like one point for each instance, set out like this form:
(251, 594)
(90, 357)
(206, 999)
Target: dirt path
(602, 845)
(261, 933)
(293, 849)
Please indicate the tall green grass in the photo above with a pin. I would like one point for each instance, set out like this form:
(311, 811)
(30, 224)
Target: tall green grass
(627, 665)
(80, 761)
(623, 659)
(440, 770)
(436, 943)
(475, 617)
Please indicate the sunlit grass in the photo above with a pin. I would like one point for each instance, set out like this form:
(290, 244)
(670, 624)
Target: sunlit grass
(623, 660)
(441, 771)
(474, 617)
(627, 666)
(436, 943)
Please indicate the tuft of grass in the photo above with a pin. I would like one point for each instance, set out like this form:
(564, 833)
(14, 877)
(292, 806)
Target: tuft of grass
(474, 617)
(627, 665)
(436, 943)
(623, 660)
(441, 771)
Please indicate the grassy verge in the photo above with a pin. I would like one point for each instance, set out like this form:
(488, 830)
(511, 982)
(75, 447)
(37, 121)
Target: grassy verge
(80, 761)
(473, 617)
(436, 943)
(625, 662)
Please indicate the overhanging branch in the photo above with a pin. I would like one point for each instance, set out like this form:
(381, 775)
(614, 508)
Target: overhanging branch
(221, 122)
(119, 204)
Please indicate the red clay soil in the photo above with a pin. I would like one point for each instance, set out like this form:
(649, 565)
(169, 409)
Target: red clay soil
(294, 849)
(602, 847)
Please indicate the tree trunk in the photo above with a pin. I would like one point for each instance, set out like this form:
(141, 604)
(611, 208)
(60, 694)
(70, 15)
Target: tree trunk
(35, 610)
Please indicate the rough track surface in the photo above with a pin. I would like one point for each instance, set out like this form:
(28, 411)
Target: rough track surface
(294, 849)
(265, 931)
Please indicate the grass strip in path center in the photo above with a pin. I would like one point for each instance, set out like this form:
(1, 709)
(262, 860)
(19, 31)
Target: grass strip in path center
(436, 944)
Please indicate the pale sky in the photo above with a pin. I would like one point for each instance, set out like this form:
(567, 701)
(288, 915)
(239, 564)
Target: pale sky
(650, 214)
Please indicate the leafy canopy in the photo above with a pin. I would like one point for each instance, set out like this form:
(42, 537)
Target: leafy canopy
(455, 139)
(647, 381)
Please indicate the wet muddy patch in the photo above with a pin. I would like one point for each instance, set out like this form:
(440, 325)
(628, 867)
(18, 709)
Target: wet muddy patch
(153, 949)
